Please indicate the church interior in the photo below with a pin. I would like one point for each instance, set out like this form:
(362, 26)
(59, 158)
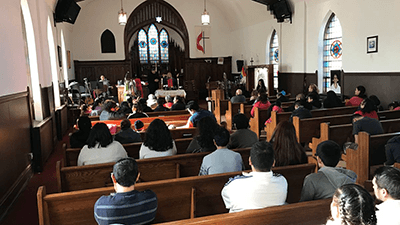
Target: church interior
(49, 48)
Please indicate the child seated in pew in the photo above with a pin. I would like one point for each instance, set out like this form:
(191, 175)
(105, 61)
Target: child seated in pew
(322, 185)
(258, 189)
(243, 137)
(196, 115)
(221, 160)
(78, 139)
(394, 106)
(126, 205)
(158, 141)
(160, 106)
(367, 124)
(352, 205)
(262, 103)
(100, 147)
(127, 134)
(300, 111)
(368, 109)
(386, 184)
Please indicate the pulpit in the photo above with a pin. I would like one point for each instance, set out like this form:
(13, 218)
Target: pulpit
(217, 94)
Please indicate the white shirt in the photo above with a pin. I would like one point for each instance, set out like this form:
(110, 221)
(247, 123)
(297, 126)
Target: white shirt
(336, 90)
(388, 212)
(112, 153)
(145, 152)
(254, 190)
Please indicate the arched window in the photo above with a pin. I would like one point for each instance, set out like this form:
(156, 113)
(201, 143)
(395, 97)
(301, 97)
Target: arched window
(107, 42)
(332, 52)
(153, 45)
(274, 56)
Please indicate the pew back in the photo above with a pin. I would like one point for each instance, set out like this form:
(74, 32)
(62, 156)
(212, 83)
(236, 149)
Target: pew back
(178, 199)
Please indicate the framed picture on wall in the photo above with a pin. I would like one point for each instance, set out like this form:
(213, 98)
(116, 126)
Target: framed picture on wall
(59, 56)
(372, 44)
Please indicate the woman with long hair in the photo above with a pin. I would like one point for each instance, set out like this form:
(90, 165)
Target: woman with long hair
(204, 141)
(78, 139)
(261, 88)
(368, 109)
(287, 150)
(262, 103)
(137, 111)
(158, 141)
(359, 96)
(100, 147)
(352, 205)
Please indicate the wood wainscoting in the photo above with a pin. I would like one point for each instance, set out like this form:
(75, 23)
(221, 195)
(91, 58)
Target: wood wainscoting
(15, 147)
(296, 83)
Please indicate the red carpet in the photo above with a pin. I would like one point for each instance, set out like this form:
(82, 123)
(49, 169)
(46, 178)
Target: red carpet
(24, 211)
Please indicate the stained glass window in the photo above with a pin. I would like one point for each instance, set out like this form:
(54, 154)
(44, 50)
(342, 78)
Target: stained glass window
(142, 42)
(274, 56)
(164, 46)
(153, 44)
(332, 50)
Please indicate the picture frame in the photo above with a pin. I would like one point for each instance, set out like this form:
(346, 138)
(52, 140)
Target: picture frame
(372, 44)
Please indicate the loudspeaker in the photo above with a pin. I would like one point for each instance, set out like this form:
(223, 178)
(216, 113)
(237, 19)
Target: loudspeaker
(281, 10)
(67, 11)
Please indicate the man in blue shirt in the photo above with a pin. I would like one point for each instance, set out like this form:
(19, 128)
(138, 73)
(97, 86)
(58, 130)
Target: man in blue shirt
(126, 206)
(197, 114)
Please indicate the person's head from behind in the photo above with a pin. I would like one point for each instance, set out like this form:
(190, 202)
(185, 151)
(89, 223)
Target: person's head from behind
(393, 105)
(138, 108)
(356, 117)
(168, 98)
(353, 205)
(109, 104)
(331, 95)
(263, 97)
(241, 121)
(360, 91)
(328, 153)
(178, 99)
(158, 137)
(386, 183)
(367, 105)
(206, 128)
(262, 156)
(221, 137)
(84, 124)
(299, 104)
(125, 173)
(125, 124)
(192, 106)
(239, 92)
(100, 134)
(160, 101)
(375, 99)
(139, 125)
(124, 104)
(300, 97)
(254, 94)
(312, 97)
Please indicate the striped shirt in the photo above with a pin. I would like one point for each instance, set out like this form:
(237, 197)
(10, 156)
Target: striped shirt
(134, 207)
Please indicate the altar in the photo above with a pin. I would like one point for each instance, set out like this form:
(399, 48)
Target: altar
(162, 93)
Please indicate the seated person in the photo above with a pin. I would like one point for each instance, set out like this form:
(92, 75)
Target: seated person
(151, 101)
(281, 96)
(302, 98)
(377, 102)
(392, 149)
(351, 205)
(368, 109)
(276, 107)
(137, 112)
(359, 95)
(160, 106)
(332, 100)
(145, 108)
(204, 141)
(322, 185)
(109, 111)
(196, 114)
(243, 137)
(158, 141)
(100, 147)
(178, 103)
(239, 97)
(139, 126)
(386, 184)
(367, 124)
(313, 99)
(300, 111)
(258, 189)
(262, 103)
(394, 106)
(221, 160)
(78, 139)
(169, 103)
(126, 205)
(126, 134)
(124, 108)
(253, 97)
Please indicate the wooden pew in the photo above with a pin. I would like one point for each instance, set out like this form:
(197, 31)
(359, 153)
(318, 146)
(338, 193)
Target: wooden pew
(71, 154)
(233, 109)
(177, 133)
(306, 129)
(370, 147)
(151, 114)
(397, 165)
(75, 178)
(246, 109)
(304, 213)
(178, 199)
(221, 105)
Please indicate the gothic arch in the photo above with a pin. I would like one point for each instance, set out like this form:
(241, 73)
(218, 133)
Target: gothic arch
(146, 13)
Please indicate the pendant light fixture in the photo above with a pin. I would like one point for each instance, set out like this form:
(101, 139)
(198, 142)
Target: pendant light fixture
(205, 18)
(122, 16)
